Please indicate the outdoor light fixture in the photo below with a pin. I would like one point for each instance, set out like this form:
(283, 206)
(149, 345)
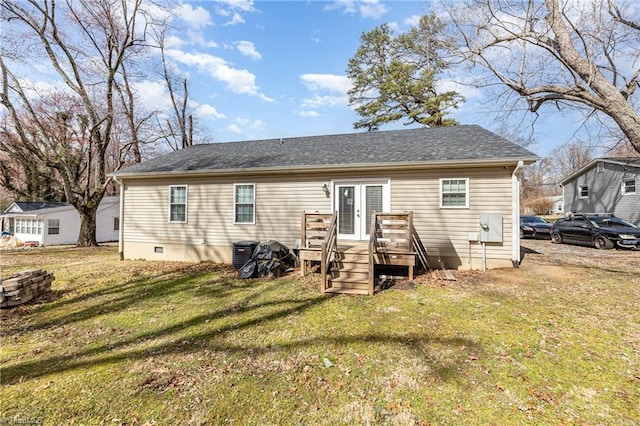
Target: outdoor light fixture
(325, 189)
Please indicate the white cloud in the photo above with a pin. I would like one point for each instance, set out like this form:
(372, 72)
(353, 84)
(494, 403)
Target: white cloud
(329, 82)
(240, 124)
(246, 122)
(247, 48)
(208, 111)
(332, 92)
(366, 8)
(153, 95)
(235, 19)
(244, 5)
(234, 128)
(325, 101)
(237, 80)
(372, 9)
(467, 90)
(173, 42)
(412, 20)
(308, 113)
(347, 6)
(197, 18)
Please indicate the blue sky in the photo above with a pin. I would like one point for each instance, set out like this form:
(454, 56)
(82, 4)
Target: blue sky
(271, 69)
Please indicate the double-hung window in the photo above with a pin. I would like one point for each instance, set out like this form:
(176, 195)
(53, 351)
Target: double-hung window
(629, 186)
(53, 227)
(454, 193)
(584, 191)
(244, 206)
(178, 204)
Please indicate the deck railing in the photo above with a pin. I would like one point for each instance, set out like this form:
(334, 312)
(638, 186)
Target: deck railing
(328, 249)
(373, 244)
(420, 250)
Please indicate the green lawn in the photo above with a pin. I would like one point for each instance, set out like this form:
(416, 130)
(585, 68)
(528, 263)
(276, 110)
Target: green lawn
(137, 342)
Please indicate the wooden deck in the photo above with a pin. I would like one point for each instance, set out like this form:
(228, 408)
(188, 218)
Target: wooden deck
(351, 267)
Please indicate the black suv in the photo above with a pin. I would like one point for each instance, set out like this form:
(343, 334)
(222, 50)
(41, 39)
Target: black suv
(603, 231)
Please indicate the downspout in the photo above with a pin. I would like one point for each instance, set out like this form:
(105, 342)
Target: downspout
(121, 230)
(515, 214)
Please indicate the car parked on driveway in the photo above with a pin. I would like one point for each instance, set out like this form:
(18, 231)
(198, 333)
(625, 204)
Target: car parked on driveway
(534, 227)
(602, 231)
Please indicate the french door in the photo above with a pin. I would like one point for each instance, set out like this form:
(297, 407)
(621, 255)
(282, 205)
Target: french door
(355, 201)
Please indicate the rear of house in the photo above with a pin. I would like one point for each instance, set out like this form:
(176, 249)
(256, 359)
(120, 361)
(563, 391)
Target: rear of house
(195, 203)
(606, 185)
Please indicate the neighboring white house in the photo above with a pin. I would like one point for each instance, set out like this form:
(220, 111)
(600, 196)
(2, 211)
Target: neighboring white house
(558, 204)
(59, 223)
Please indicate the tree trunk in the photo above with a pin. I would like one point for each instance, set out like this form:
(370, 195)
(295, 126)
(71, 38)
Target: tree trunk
(628, 120)
(87, 236)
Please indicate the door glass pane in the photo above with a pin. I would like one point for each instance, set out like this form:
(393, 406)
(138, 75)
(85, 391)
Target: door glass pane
(373, 202)
(346, 210)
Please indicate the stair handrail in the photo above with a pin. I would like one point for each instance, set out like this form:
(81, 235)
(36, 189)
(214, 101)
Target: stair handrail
(420, 250)
(329, 248)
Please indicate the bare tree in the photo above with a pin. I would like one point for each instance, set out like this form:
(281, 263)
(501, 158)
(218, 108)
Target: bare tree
(88, 44)
(564, 53)
(570, 158)
(537, 185)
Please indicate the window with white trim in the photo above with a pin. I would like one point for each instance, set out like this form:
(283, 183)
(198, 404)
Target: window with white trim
(454, 193)
(244, 206)
(53, 226)
(116, 223)
(584, 191)
(629, 186)
(178, 204)
(29, 226)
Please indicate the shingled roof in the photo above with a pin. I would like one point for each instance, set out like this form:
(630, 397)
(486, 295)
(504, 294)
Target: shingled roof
(29, 206)
(383, 148)
(621, 161)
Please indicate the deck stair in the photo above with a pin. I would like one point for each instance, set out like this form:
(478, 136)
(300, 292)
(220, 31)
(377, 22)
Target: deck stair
(349, 271)
(351, 267)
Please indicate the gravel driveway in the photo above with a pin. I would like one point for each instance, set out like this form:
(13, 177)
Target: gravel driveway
(545, 252)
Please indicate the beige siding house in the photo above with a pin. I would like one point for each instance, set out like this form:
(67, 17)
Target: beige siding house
(195, 203)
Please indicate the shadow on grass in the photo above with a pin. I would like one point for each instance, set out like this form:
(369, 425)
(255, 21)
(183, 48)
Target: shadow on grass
(241, 315)
(119, 297)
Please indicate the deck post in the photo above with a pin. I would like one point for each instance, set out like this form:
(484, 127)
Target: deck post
(372, 250)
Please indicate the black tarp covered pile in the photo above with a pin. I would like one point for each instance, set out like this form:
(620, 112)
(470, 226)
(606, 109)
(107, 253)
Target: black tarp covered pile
(270, 258)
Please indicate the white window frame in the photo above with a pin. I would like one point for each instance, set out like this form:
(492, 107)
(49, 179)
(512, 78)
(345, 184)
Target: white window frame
(580, 188)
(49, 227)
(235, 204)
(116, 221)
(624, 187)
(186, 203)
(466, 194)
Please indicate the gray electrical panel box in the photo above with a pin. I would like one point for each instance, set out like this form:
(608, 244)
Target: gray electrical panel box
(490, 227)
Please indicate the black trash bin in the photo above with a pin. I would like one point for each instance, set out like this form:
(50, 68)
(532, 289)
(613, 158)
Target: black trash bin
(242, 252)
